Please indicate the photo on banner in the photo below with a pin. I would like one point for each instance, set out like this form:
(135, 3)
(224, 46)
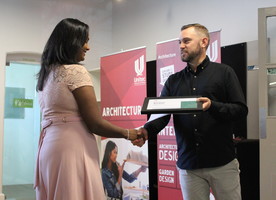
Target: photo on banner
(123, 89)
(168, 61)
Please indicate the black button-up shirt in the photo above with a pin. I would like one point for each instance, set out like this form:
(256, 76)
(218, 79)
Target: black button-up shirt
(204, 139)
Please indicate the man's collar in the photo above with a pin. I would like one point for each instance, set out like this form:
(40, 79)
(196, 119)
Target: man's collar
(200, 67)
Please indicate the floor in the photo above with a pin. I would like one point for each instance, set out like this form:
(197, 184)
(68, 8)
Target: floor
(19, 192)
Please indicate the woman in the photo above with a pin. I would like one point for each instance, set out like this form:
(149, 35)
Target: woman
(112, 172)
(67, 162)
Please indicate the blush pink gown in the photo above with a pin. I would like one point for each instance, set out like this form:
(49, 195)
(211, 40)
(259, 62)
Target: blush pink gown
(68, 159)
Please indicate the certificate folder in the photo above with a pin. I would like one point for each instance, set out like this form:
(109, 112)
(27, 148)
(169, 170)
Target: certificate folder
(179, 104)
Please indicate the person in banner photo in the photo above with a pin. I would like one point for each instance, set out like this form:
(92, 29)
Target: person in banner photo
(113, 172)
(206, 153)
(68, 158)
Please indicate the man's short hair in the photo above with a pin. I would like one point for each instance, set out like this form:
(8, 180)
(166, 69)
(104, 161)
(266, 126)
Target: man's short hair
(200, 28)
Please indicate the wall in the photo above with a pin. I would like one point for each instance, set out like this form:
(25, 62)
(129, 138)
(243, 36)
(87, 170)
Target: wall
(146, 22)
(253, 91)
(27, 24)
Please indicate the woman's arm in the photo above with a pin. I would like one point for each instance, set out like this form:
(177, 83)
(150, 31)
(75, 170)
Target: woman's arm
(89, 110)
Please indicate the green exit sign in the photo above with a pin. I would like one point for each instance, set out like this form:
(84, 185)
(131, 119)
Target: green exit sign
(22, 103)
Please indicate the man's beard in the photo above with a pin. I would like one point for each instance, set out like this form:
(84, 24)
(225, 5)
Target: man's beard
(191, 55)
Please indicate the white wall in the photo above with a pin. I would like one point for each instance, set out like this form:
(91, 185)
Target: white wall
(253, 91)
(145, 22)
(27, 24)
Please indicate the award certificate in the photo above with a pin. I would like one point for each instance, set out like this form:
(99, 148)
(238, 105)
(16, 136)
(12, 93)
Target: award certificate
(171, 105)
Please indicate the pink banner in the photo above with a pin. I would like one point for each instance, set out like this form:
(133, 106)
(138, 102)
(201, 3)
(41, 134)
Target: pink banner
(123, 89)
(169, 62)
(123, 85)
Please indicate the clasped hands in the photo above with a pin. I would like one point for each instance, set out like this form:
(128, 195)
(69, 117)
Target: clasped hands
(138, 137)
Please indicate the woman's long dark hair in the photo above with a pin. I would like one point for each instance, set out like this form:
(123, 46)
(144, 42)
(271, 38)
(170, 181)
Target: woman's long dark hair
(62, 47)
(110, 146)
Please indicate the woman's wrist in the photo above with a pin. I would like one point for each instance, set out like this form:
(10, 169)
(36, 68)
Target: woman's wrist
(127, 134)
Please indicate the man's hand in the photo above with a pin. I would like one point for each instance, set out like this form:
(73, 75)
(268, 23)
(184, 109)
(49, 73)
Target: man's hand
(142, 136)
(206, 102)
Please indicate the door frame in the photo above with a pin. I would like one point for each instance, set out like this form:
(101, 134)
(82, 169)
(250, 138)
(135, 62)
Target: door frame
(267, 123)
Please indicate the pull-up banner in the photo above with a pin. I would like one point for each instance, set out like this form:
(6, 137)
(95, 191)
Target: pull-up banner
(169, 62)
(123, 89)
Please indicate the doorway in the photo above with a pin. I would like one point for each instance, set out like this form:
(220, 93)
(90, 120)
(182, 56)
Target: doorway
(21, 130)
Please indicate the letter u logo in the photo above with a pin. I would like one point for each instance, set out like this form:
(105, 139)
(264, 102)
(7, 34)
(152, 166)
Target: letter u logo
(214, 48)
(139, 66)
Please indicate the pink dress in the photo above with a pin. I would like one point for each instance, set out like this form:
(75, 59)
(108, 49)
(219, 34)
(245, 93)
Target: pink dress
(68, 159)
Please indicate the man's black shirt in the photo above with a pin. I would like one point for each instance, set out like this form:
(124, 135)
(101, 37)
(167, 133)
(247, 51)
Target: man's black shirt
(204, 139)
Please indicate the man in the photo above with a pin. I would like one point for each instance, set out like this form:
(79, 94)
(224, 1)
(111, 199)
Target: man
(206, 154)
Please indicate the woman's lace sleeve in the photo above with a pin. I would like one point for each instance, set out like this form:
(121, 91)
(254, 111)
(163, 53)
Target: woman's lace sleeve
(77, 76)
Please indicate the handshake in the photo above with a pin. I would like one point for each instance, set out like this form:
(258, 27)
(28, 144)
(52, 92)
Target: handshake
(138, 137)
